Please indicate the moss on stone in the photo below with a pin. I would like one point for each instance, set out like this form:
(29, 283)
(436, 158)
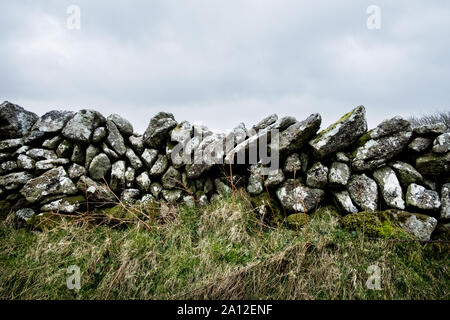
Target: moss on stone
(268, 203)
(297, 220)
(381, 224)
(44, 221)
(331, 127)
(75, 199)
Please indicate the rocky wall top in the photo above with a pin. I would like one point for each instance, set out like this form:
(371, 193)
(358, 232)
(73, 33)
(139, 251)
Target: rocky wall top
(53, 162)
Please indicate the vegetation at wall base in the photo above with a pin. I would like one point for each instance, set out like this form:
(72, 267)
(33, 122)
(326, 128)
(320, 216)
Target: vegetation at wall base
(221, 251)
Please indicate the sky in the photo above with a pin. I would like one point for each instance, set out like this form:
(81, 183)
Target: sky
(222, 62)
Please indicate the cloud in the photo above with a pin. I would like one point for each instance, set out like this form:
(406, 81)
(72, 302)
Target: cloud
(223, 62)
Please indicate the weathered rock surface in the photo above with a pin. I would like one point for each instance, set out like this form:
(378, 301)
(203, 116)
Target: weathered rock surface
(406, 173)
(99, 167)
(296, 197)
(344, 202)
(433, 164)
(317, 176)
(15, 121)
(53, 182)
(96, 192)
(442, 143)
(296, 135)
(81, 126)
(158, 129)
(53, 121)
(363, 192)
(390, 187)
(421, 198)
(341, 134)
(338, 175)
(115, 139)
(122, 124)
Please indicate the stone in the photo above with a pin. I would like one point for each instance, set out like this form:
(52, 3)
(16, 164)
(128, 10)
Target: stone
(420, 144)
(155, 189)
(78, 155)
(66, 205)
(52, 143)
(137, 143)
(433, 164)
(317, 176)
(295, 136)
(25, 162)
(99, 135)
(130, 195)
(53, 182)
(15, 121)
(255, 184)
(109, 152)
(172, 195)
(53, 121)
(99, 167)
(143, 182)
(64, 149)
(274, 179)
(14, 180)
(344, 202)
(25, 214)
(34, 137)
(363, 192)
(82, 124)
(115, 139)
(342, 134)
(421, 227)
(420, 198)
(149, 157)
(91, 152)
(376, 152)
(442, 143)
(159, 167)
(189, 201)
(209, 153)
(171, 179)
(293, 163)
(342, 157)
(11, 144)
(122, 124)
(406, 173)
(76, 171)
(338, 175)
(21, 150)
(295, 197)
(222, 188)
(8, 166)
(41, 154)
(157, 132)
(182, 132)
(117, 182)
(96, 192)
(130, 175)
(135, 162)
(266, 122)
(390, 187)
(431, 129)
(45, 165)
(389, 127)
(445, 201)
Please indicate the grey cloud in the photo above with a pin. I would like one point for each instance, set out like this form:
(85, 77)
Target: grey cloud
(223, 62)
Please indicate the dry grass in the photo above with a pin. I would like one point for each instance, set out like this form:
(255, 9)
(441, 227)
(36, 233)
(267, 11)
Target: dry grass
(218, 252)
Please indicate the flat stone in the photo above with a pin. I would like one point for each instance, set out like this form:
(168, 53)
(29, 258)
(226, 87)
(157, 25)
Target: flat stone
(53, 121)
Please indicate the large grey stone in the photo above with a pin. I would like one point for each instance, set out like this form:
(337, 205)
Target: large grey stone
(295, 136)
(420, 198)
(363, 192)
(317, 176)
(143, 182)
(15, 121)
(14, 180)
(53, 182)
(53, 121)
(442, 143)
(295, 197)
(433, 129)
(433, 164)
(338, 175)
(341, 134)
(171, 179)
(445, 201)
(390, 187)
(122, 124)
(344, 202)
(135, 162)
(406, 173)
(82, 124)
(96, 192)
(157, 132)
(99, 166)
(118, 176)
(115, 139)
(420, 144)
(160, 166)
(149, 156)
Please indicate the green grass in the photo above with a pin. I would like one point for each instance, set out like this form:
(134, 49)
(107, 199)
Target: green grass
(219, 252)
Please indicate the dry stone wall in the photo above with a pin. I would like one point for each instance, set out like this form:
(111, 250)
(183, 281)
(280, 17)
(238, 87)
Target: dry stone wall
(53, 162)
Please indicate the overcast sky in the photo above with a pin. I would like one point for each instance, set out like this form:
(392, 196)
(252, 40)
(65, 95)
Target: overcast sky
(223, 62)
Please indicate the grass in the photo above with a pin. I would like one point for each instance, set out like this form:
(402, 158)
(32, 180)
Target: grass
(221, 251)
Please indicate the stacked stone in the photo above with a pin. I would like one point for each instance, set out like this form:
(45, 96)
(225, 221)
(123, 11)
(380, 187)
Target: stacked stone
(55, 161)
